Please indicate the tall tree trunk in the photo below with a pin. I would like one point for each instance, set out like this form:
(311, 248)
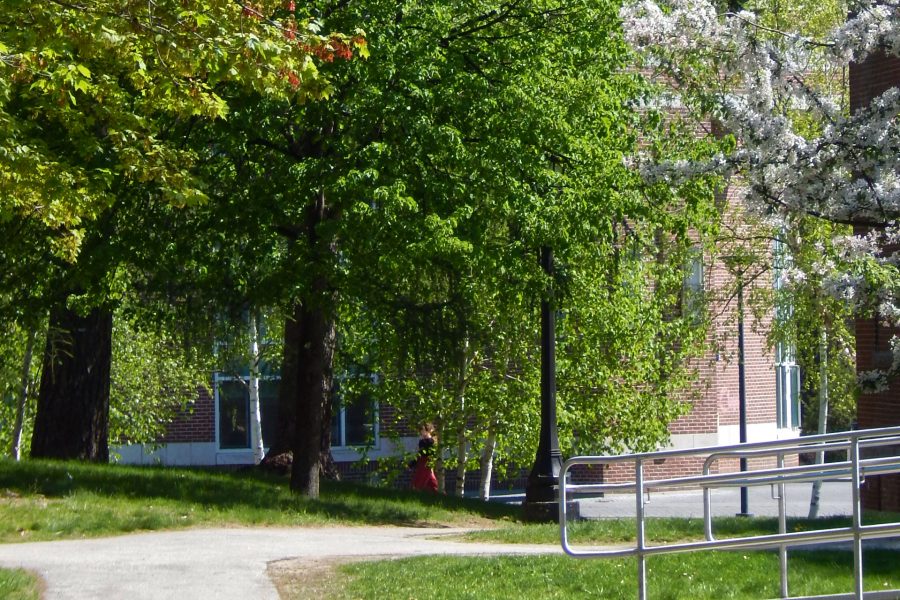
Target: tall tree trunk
(487, 461)
(327, 467)
(287, 389)
(256, 440)
(72, 420)
(313, 394)
(315, 359)
(24, 391)
(823, 418)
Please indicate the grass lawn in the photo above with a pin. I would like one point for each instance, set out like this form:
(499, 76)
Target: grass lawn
(19, 585)
(713, 575)
(47, 500)
(57, 500)
(658, 530)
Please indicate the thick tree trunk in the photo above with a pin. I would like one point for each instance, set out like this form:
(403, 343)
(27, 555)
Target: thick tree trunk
(72, 420)
(24, 391)
(313, 395)
(287, 389)
(315, 361)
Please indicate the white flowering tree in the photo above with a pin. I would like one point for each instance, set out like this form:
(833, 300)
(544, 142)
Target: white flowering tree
(798, 150)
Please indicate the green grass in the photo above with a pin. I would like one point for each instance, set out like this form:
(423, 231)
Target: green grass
(43, 500)
(16, 584)
(658, 530)
(714, 575)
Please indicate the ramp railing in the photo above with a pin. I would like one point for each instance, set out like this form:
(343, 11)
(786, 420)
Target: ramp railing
(853, 470)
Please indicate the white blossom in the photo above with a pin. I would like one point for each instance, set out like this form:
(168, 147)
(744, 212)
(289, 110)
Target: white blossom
(846, 172)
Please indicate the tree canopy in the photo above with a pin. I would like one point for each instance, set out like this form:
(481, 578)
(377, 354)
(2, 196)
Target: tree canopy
(799, 149)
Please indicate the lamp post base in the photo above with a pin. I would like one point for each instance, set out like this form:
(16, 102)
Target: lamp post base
(548, 512)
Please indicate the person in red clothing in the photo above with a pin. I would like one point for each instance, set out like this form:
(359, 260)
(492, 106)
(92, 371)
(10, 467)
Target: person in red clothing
(423, 476)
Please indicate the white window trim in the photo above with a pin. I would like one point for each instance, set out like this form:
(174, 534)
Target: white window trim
(220, 377)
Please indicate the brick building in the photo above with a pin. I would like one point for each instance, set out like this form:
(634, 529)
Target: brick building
(868, 80)
(216, 432)
(772, 379)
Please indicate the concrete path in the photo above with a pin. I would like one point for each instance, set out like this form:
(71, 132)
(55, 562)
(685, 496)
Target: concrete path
(835, 499)
(232, 563)
(221, 564)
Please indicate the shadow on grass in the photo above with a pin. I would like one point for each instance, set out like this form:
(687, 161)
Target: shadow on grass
(248, 489)
(725, 527)
(878, 562)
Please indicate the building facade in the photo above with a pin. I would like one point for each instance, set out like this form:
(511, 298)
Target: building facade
(215, 432)
(868, 80)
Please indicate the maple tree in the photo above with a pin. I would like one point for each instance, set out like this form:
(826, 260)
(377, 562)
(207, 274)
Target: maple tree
(87, 94)
(399, 220)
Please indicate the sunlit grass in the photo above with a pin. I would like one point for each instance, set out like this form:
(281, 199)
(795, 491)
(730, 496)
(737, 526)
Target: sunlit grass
(41, 500)
(713, 575)
(17, 584)
(658, 530)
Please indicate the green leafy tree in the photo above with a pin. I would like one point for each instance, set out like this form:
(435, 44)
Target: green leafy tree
(515, 138)
(153, 379)
(86, 96)
(413, 200)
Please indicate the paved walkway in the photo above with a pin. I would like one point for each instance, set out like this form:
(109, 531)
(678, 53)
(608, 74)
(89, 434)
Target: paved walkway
(835, 499)
(231, 564)
(221, 564)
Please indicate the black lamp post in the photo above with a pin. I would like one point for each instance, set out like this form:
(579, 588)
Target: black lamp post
(541, 488)
(742, 393)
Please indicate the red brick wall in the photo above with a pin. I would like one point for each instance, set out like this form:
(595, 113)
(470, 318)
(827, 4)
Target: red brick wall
(716, 387)
(872, 78)
(197, 424)
(868, 80)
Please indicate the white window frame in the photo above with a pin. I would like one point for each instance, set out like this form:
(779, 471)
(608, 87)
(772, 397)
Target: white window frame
(694, 284)
(342, 428)
(342, 416)
(787, 388)
(787, 371)
(219, 377)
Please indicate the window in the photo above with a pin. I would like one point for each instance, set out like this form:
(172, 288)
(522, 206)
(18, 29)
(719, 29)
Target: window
(787, 387)
(787, 371)
(692, 288)
(233, 411)
(353, 423)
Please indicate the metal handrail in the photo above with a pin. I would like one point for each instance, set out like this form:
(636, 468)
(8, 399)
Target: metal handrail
(853, 470)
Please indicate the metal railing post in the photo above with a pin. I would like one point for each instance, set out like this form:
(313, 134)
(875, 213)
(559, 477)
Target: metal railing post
(857, 520)
(851, 471)
(641, 542)
(782, 528)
